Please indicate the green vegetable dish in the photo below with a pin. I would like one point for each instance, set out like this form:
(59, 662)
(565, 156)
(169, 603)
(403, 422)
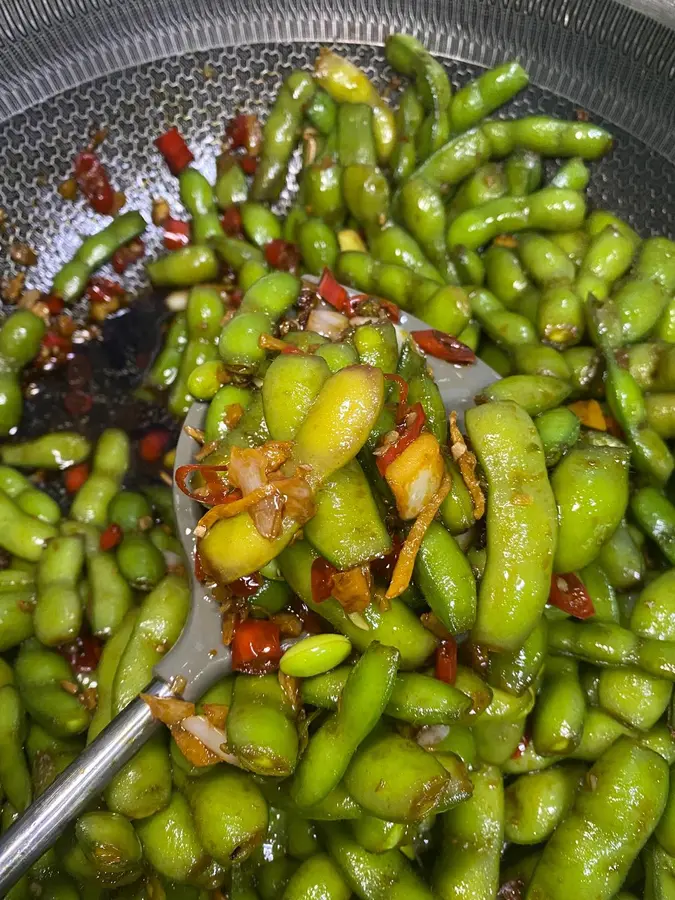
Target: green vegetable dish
(453, 642)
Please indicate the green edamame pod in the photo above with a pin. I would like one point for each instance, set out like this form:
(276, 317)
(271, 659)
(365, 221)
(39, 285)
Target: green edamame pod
(588, 478)
(655, 515)
(601, 593)
(523, 170)
(280, 134)
(231, 186)
(170, 842)
(477, 825)
(376, 876)
(538, 359)
(548, 136)
(318, 245)
(635, 698)
(164, 369)
(261, 728)
(330, 749)
(377, 345)
(58, 450)
(509, 608)
(544, 260)
(444, 576)
(290, 387)
(485, 94)
(656, 261)
(366, 194)
(215, 426)
(616, 809)
(573, 243)
(505, 276)
(506, 328)
(20, 336)
(423, 214)
(58, 612)
(394, 246)
(573, 174)
(609, 255)
(356, 144)
(653, 615)
(105, 674)
(318, 878)
(486, 183)
(601, 643)
(49, 756)
(622, 560)
(535, 804)
(515, 671)
(140, 562)
(559, 431)
(393, 778)
(197, 197)
(110, 596)
(39, 676)
(195, 264)
(14, 776)
(111, 460)
(109, 843)
(321, 112)
(338, 355)
(16, 617)
(560, 709)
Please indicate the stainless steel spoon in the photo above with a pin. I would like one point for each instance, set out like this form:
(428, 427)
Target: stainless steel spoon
(196, 661)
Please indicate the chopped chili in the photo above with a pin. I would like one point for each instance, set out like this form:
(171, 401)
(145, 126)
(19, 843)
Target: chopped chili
(409, 430)
(330, 290)
(248, 164)
(54, 304)
(383, 566)
(445, 668)
(129, 254)
(244, 131)
(153, 444)
(75, 477)
(569, 594)
(83, 653)
(391, 309)
(78, 403)
(281, 254)
(589, 413)
(231, 221)
(176, 233)
(523, 744)
(256, 647)
(175, 151)
(111, 537)
(322, 577)
(215, 490)
(402, 405)
(246, 586)
(103, 290)
(92, 180)
(443, 346)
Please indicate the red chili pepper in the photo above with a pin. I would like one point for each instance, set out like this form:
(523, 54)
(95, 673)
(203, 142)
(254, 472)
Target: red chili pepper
(83, 653)
(332, 292)
(569, 594)
(445, 668)
(78, 403)
(92, 179)
(402, 405)
(128, 255)
(235, 297)
(56, 342)
(390, 308)
(475, 656)
(246, 586)
(523, 744)
(322, 579)
(231, 221)
(54, 304)
(102, 290)
(248, 164)
(244, 131)
(111, 537)
(408, 434)
(383, 566)
(153, 444)
(176, 233)
(281, 254)
(75, 477)
(175, 151)
(443, 346)
(256, 647)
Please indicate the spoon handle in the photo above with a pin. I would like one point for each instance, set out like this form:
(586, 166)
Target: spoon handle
(37, 829)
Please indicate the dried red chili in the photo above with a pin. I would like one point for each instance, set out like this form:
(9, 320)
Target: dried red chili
(443, 346)
(256, 647)
(92, 180)
(569, 594)
(409, 430)
(175, 151)
(445, 668)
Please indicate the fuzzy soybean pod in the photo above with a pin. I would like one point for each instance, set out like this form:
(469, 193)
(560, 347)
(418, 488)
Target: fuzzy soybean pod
(444, 576)
(280, 134)
(170, 842)
(485, 94)
(471, 842)
(14, 775)
(635, 698)
(373, 876)
(559, 712)
(110, 463)
(39, 677)
(588, 478)
(58, 612)
(330, 749)
(549, 209)
(535, 804)
(230, 814)
(318, 878)
(261, 726)
(395, 779)
(653, 614)
(617, 808)
(521, 525)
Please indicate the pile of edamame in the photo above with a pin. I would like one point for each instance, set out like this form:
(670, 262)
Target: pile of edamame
(479, 702)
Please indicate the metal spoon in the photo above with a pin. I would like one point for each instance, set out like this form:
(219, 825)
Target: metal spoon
(196, 661)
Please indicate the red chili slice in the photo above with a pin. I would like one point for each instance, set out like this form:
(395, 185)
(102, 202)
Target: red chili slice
(217, 491)
(153, 444)
(248, 164)
(383, 566)
(54, 304)
(244, 131)
(246, 586)
(445, 668)
(444, 346)
(83, 653)
(332, 292)
(175, 151)
(523, 744)
(390, 308)
(402, 405)
(407, 435)
(102, 290)
(126, 256)
(281, 254)
(569, 594)
(176, 233)
(111, 537)
(92, 180)
(75, 477)
(256, 647)
(231, 221)
(322, 579)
